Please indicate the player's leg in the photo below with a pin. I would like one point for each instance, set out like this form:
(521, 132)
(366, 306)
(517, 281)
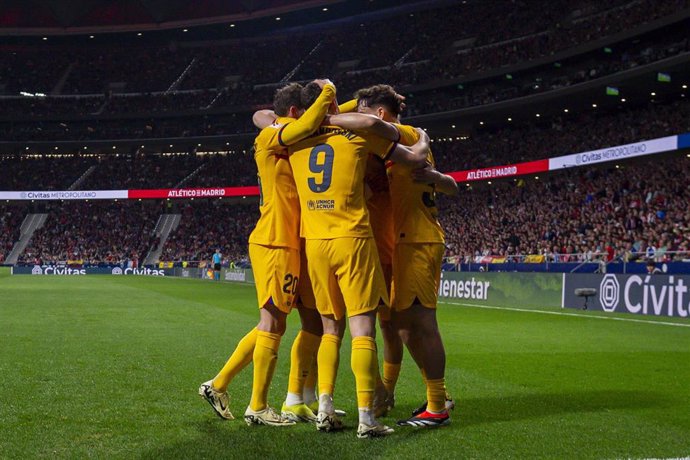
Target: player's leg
(328, 359)
(363, 288)
(419, 324)
(279, 283)
(302, 380)
(387, 375)
(331, 307)
(302, 358)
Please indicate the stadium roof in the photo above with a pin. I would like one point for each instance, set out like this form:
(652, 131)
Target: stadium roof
(69, 17)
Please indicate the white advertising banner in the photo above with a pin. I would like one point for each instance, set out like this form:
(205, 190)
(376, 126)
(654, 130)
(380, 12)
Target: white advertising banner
(619, 152)
(65, 195)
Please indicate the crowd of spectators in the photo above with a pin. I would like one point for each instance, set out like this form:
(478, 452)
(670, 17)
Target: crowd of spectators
(509, 144)
(422, 47)
(615, 213)
(208, 225)
(11, 218)
(94, 232)
(45, 172)
(627, 213)
(564, 135)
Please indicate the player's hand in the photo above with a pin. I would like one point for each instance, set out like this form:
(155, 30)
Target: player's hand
(423, 135)
(425, 175)
(323, 82)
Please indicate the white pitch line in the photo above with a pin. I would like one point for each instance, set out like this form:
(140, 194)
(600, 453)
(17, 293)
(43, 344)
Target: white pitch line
(614, 318)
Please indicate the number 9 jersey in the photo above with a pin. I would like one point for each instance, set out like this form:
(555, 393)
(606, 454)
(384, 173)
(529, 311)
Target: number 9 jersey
(329, 169)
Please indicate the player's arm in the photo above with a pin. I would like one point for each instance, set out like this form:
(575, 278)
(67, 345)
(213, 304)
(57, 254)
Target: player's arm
(347, 107)
(365, 123)
(311, 119)
(263, 118)
(442, 182)
(414, 156)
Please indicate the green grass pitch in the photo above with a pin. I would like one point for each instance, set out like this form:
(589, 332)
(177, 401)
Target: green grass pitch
(108, 367)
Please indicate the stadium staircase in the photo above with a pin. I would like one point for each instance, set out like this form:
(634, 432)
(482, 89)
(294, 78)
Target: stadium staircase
(32, 222)
(57, 89)
(176, 84)
(82, 178)
(164, 227)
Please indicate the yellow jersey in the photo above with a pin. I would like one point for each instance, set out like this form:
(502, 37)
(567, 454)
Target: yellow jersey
(413, 203)
(379, 207)
(279, 208)
(329, 169)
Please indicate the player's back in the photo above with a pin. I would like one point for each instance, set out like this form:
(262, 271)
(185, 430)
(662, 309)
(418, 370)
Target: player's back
(278, 224)
(329, 170)
(413, 203)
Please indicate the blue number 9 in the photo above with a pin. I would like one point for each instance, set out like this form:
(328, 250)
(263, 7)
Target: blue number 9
(324, 167)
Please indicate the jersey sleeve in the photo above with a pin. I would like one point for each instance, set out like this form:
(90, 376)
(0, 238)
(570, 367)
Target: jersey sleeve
(349, 106)
(408, 134)
(379, 146)
(310, 120)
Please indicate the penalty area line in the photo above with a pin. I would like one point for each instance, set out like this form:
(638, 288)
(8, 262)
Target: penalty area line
(560, 313)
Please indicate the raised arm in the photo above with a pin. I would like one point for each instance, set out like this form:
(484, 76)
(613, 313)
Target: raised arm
(430, 175)
(349, 106)
(312, 118)
(263, 118)
(365, 123)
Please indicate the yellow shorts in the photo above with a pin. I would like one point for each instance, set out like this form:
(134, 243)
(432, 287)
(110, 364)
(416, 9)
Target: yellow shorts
(346, 276)
(384, 312)
(416, 274)
(276, 274)
(305, 292)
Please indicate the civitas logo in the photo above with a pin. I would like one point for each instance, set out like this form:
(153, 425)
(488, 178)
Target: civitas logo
(609, 293)
(311, 204)
(578, 159)
(117, 271)
(37, 270)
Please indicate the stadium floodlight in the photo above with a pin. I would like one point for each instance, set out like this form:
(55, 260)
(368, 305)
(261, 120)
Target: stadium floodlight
(232, 25)
(565, 110)
(685, 86)
(45, 38)
(538, 115)
(277, 18)
(623, 99)
(652, 94)
(481, 123)
(594, 106)
(510, 119)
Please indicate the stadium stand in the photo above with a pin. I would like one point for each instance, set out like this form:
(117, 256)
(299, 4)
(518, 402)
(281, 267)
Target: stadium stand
(576, 215)
(197, 89)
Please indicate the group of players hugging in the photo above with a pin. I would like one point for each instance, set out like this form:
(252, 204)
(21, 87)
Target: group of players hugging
(348, 230)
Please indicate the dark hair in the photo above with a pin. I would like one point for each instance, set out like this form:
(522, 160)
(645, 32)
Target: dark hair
(381, 95)
(286, 97)
(650, 263)
(310, 93)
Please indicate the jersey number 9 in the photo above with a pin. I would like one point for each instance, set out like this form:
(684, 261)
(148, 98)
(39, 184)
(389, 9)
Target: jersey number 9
(323, 165)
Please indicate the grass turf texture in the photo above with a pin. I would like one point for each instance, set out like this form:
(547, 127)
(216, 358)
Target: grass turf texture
(110, 366)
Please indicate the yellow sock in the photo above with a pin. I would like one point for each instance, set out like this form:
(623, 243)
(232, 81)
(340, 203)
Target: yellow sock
(391, 372)
(436, 395)
(328, 360)
(364, 365)
(421, 369)
(265, 357)
(238, 360)
(301, 360)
